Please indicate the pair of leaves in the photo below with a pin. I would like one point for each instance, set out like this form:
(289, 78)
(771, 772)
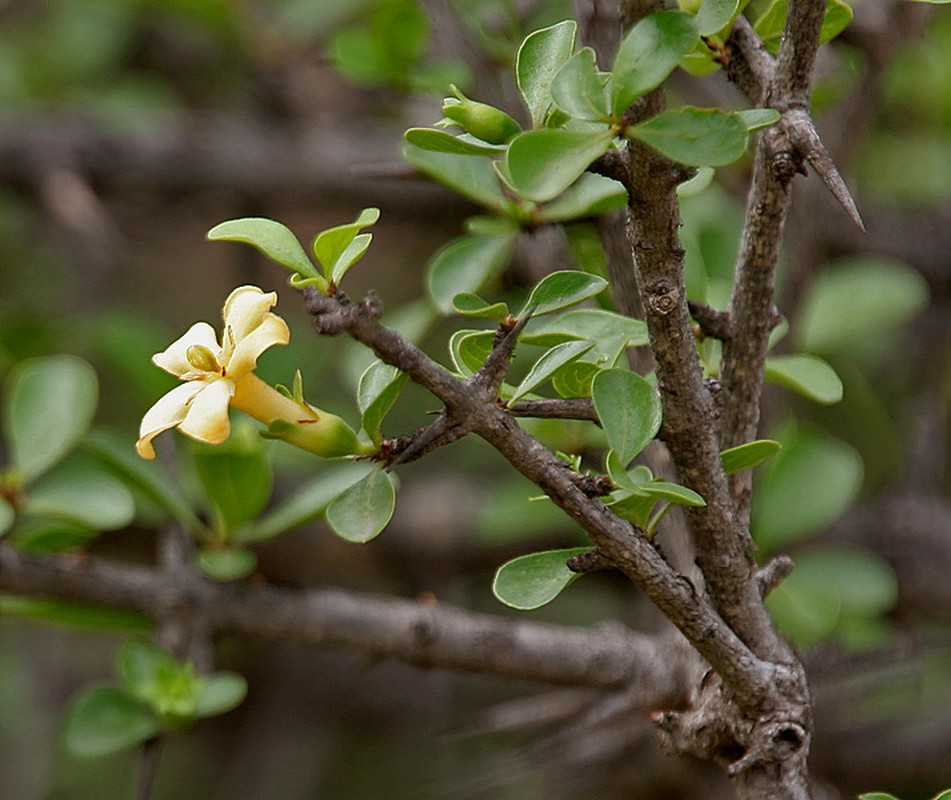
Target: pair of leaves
(336, 249)
(48, 406)
(554, 292)
(531, 581)
(158, 695)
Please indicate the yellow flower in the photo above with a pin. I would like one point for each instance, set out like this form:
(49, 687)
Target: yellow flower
(217, 376)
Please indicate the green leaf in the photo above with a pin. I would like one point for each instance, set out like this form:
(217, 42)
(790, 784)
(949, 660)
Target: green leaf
(648, 54)
(272, 238)
(363, 510)
(580, 89)
(117, 454)
(589, 196)
(80, 615)
(746, 456)
(533, 580)
(610, 332)
(442, 142)
(472, 177)
(629, 410)
(886, 795)
(106, 720)
(561, 289)
(51, 535)
(539, 58)
(465, 265)
(808, 375)
(856, 297)
(849, 581)
(138, 665)
(574, 379)
(469, 350)
(471, 305)
(48, 406)
(714, 15)
(697, 137)
(379, 387)
(548, 364)
(672, 492)
(230, 564)
(631, 479)
(756, 118)
(633, 506)
(218, 693)
(337, 249)
(542, 164)
(305, 505)
(236, 478)
(809, 484)
(83, 496)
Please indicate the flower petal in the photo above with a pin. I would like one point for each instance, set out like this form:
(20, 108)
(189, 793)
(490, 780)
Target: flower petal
(174, 358)
(244, 310)
(272, 330)
(168, 412)
(207, 418)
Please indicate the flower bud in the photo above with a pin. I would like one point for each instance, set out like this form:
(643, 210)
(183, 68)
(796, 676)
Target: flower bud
(483, 121)
(328, 436)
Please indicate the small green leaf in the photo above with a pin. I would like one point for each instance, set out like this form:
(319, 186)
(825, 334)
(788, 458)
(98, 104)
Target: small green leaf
(756, 118)
(218, 693)
(106, 720)
(531, 581)
(574, 379)
(611, 333)
(471, 305)
(363, 510)
(808, 485)
(465, 265)
(139, 664)
(672, 492)
(697, 137)
(236, 478)
(48, 406)
(548, 363)
(469, 350)
(746, 456)
(808, 375)
(442, 142)
(51, 535)
(886, 795)
(83, 496)
(945, 795)
(542, 164)
(856, 297)
(378, 389)
(230, 564)
(337, 249)
(561, 289)
(714, 15)
(272, 238)
(631, 479)
(629, 410)
(589, 196)
(470, 176)
(580, 89)
(539, 58)
(305, 505)
(633, 506)
(648, 54)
